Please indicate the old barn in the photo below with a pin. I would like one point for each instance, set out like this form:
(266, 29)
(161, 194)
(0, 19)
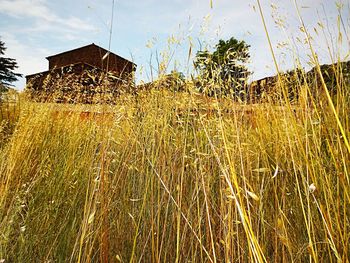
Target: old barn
(89, 74)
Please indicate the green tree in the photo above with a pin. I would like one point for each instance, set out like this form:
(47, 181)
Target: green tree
(7, 67)
(224, 72)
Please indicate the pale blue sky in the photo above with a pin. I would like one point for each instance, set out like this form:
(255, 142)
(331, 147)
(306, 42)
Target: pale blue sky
(35, 29)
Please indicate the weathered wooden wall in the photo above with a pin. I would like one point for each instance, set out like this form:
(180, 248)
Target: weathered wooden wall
(92, 55)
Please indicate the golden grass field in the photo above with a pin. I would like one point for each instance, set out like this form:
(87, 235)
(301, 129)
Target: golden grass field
(166, 176)
(153, 180)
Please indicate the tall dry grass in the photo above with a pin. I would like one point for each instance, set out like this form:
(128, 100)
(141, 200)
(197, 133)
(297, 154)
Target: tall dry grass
(164, 178)
(168, 176)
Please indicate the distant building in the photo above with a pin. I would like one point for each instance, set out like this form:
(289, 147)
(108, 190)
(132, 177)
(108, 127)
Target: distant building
(300, 85)
(89, 74)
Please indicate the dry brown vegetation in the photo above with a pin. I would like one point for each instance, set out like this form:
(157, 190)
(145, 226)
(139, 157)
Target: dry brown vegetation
(158, 181)
(165, 176)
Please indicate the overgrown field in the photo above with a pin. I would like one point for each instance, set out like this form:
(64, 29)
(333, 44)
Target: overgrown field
(164, 177)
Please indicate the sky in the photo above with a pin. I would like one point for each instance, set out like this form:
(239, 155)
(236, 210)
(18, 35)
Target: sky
(150, 31)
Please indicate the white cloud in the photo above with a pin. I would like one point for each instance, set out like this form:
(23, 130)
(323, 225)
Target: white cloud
(38, 10)
(30, 60)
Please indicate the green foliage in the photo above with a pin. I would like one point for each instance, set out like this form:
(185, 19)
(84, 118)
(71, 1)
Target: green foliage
(223, 72)
(7, 67)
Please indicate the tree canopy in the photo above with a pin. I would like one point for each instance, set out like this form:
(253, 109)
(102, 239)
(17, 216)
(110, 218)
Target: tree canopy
(224, 71)
(7, 67)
